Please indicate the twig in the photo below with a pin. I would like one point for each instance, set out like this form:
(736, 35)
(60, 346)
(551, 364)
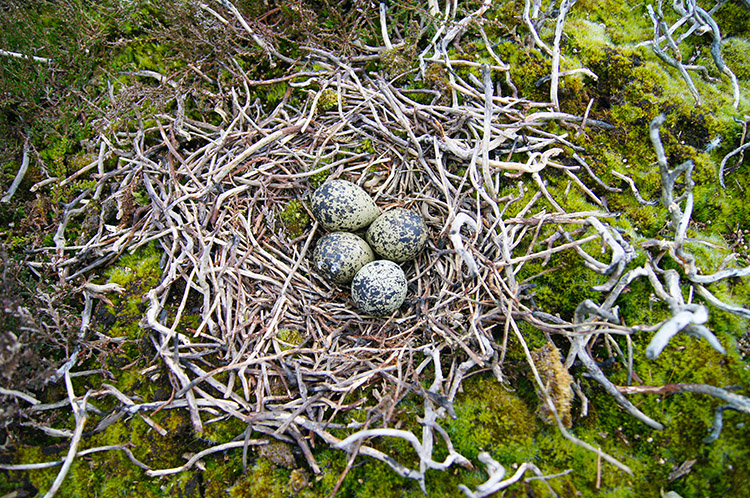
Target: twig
(735, 401)
(497, 472)
(565, 5)
(532, 28)
(198, 456)
(20, 174)
(256, 38)
(79, 411)
(47, 465)
(634, 189)
(18, 394)
(34, 58)
(454, 235)
(723, 164)
(661, 26)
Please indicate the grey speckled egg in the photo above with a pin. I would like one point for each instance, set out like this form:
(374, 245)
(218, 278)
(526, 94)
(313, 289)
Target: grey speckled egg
(339, 256)
(398, 235)
(342, 205)
(379, 288)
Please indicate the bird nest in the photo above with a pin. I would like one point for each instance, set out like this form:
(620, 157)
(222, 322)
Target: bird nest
(283, 350)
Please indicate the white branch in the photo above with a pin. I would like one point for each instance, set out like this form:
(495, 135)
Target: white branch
(24, 56)
(19, 175)
(672, 326)
(460, 220)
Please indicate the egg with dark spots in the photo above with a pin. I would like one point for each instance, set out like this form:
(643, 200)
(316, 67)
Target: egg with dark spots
(379, 288)
(340, 205)
(398, 235)
(338, 256)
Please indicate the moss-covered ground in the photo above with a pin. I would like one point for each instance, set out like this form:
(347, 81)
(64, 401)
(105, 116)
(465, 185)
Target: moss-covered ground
(96, 46)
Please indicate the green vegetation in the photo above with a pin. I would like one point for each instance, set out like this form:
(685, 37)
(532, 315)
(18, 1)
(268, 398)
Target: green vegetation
(294, 218)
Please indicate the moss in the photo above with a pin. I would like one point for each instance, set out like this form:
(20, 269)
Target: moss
(562, 290)
(137, 273)
(734, 19)
(621, 26)
(491, 418)
(319, 178)
(267, 480)
(109, 474)
(401, 59)
(436, 78)
(289, 338)
(328, 100)
(365, 146)
(294, 218)
(222, 431)
(736, 53)
(526, 69)
(139, 269)
(221, 473)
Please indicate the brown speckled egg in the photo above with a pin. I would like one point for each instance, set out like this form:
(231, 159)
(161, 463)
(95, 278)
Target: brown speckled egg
(398, 235)
(379, 288)
(338, 256)
(340, 205)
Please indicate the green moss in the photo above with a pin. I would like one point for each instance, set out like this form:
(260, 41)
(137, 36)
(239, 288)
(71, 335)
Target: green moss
(526, 69)
(401, 59)
(491, 418)
(736, 53)
(436, 78)
(734, 19)
(319, 178)
(289, 338)
(140, 268)
(562, 290)
(295, 219)
(222, 431)
(620, 26)
(137, 273)
(328, 100)
(365, 146)
(267, 480)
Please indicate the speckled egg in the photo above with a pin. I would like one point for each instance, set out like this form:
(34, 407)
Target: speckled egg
(340, 205)
(379, 288)
(398, 235)
(338, 256)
